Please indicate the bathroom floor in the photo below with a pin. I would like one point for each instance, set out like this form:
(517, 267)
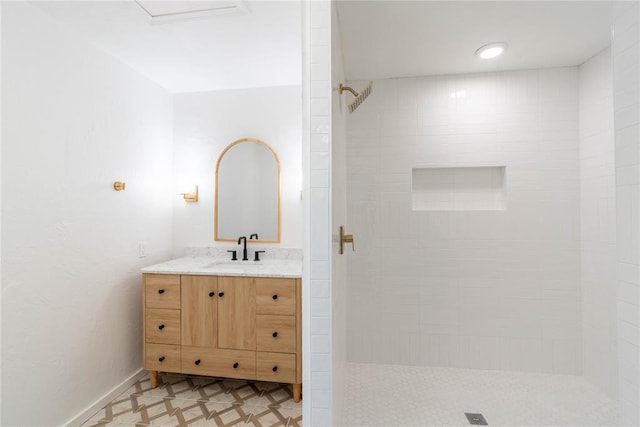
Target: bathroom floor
(183, 400)
(392, 395)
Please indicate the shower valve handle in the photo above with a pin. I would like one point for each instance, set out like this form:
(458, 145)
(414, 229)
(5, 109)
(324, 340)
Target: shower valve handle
(346, 238)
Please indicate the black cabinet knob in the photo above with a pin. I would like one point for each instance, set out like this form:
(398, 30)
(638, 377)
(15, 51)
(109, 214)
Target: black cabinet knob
(161, 327)
(275, 369)
(161, 291)
(212, 294)
(220, 294)
(235, 365)
(275, 297)
(275, 334)
(161, 359)
(197, 362)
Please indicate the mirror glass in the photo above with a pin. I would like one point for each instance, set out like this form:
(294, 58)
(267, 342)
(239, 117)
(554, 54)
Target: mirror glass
(247, 197)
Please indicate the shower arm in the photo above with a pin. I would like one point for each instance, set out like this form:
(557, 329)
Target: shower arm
(347, 88)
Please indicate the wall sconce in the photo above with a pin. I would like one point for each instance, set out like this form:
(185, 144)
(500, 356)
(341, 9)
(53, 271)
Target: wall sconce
(119, 186)
(190, 197)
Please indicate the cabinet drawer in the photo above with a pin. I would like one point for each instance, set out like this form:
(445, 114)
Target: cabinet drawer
(276, 333)
(275, 296)
(162, 326)
(162, 357)
(219, 362)
(277, 367)
(162, 291)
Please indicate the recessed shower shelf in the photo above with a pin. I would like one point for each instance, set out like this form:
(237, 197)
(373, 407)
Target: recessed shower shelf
(445, 187)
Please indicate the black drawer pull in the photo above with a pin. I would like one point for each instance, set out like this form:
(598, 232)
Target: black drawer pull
(161, 359)
(220, 294)
(275, 334)
(161, 327)
(197, 362)
(275, 297)
(161, 291)
(212, 294)
(275, 369)
(235, 365)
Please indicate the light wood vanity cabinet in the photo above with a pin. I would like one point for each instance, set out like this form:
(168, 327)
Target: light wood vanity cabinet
(235, 327)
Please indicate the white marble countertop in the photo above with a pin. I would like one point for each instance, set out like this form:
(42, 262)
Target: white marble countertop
(207, 265)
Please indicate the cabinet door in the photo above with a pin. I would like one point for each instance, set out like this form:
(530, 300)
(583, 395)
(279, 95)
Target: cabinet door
(237, 313)
(199, 306)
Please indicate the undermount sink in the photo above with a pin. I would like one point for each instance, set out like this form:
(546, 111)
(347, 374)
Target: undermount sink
(239, 264)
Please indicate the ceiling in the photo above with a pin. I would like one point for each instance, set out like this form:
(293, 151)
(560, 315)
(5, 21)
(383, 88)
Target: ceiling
(257, 45)
(383, 39)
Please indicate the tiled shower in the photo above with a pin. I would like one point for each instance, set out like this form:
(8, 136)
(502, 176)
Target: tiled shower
(546, 280)
(467, 288)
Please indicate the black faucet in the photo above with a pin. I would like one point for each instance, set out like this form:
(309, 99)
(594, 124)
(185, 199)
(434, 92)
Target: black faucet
(253, 235)
(244, 250)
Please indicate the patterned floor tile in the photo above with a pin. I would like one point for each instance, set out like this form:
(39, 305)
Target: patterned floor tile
(294, 414)
(183, 400)
(231, 415)
(279, 395)
(265, 416)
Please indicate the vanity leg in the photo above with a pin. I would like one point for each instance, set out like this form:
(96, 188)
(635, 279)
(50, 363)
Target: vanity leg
(153, 379)
(297, 392)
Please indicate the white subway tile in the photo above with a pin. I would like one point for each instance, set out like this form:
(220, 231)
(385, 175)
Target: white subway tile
(320, 270)
(320, 343)
(320, 71)
(320, 37)
(319, 125)
(320, 362)
(321, 380)
(320, 107)
(319, 160)
(320, 325)
(321, 417)
(320, 288)
(319, 179)
(320, 89)
(320, 307)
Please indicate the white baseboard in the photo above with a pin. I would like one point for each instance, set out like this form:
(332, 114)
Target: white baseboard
(89, 412)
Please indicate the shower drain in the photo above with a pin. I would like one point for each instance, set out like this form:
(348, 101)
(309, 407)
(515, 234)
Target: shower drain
(476, 419)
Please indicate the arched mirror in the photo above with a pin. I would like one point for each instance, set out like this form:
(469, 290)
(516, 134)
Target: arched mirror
(247, 199)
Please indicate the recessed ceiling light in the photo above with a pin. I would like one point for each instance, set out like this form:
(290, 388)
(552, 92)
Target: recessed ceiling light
(491, 50)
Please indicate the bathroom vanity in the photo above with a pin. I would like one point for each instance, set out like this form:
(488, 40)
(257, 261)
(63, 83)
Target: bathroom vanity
(210, 316)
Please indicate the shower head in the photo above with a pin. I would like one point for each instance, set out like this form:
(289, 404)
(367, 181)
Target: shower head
(360, 97)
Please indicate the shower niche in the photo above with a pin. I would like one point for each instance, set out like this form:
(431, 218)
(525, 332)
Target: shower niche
(458, 188)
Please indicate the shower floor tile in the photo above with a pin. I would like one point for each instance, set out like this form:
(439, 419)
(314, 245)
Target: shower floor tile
(185, 400)
(392, 395)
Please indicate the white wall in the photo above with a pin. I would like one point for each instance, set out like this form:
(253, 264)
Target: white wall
(338, 147)
(626, 90)
(204, 124)
(74, 121)
(487, 290)
(598, 223)
(0, 217)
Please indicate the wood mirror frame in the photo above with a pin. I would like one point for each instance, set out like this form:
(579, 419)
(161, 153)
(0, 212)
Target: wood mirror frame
(216, 231)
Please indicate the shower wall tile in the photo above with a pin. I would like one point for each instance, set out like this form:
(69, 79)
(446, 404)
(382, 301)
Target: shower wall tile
(317, 392)
(626, 81)
(487, 290)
